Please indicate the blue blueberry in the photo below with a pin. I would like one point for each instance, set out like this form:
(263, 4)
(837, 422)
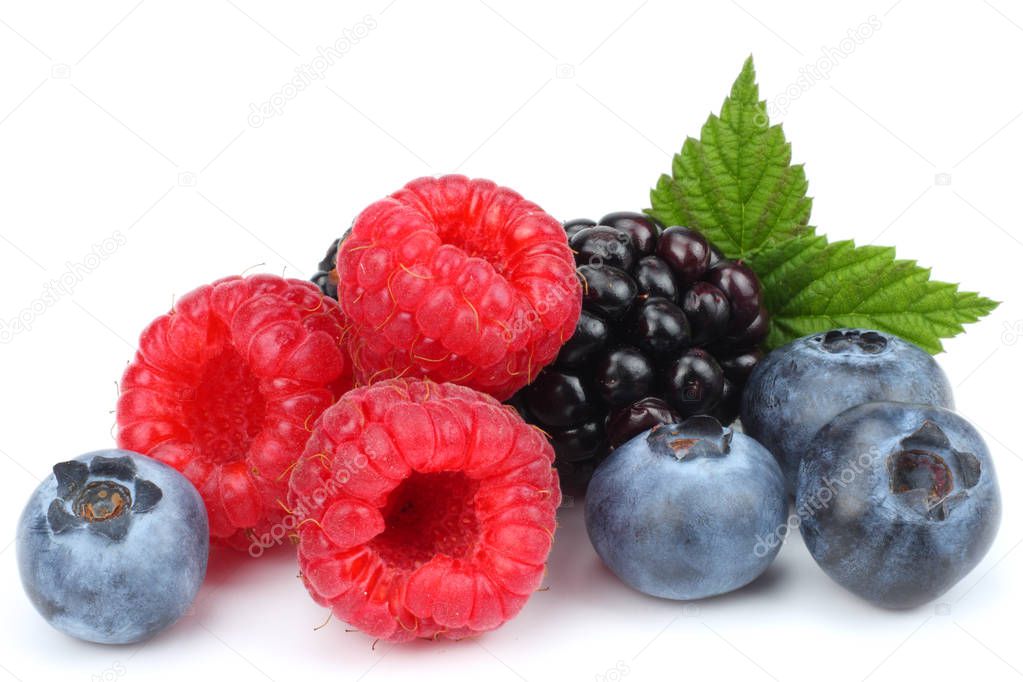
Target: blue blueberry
(112, 547)
(800, 387)
(898, 502)
(678, 511)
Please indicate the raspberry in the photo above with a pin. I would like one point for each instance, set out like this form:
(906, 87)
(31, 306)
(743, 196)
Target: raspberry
(225, 389)
(456, 280)
(427, 510)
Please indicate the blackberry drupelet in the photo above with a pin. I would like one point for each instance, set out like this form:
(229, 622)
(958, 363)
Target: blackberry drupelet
(669, 329)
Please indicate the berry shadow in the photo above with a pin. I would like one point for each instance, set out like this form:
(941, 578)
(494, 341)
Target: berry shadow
(231, 571)
(767, 582)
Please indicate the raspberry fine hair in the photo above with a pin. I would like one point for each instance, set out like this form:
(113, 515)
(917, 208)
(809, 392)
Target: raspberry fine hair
(427, 510)
(457, 280)
(225, 389)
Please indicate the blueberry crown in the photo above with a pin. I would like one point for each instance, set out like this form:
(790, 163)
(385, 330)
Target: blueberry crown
(699, 436)
(100, 497)
(925, 470)
(846, 340)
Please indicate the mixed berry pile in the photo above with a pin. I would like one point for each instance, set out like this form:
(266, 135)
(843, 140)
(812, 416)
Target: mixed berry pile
(669, 328)
(409, 418)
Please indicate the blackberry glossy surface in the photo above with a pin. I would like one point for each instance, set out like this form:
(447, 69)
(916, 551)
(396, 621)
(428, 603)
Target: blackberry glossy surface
(669, 329)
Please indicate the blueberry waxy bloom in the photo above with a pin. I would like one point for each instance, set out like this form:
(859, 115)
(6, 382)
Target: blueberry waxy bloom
(801, 386)
(676, 512)
(902, 501)
(112, 547)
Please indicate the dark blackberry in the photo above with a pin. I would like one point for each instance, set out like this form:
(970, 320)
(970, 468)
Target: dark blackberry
(326, 277)
(641, 231)
(670, 328)
(558, 399)
(654, 278)
(737, 367)
(623, 376)
(686, 252)
(742, 288)
(708, 311)
(573, 226)
(694, 383)
(641, 415)
(602, 245)
(608, 291)
(659, 327)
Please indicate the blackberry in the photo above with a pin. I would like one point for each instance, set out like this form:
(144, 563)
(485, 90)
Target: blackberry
(326, 276)
(670, 328)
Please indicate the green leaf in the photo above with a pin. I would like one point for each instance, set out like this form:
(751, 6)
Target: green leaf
(811, 285)
(737, 186)
(736, 183)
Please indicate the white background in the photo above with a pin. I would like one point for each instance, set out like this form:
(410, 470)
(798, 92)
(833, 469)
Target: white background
(131, 122)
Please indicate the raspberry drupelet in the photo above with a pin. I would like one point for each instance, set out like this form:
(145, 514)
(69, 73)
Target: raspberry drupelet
(225, 389)
(426, 510)
(456, 280)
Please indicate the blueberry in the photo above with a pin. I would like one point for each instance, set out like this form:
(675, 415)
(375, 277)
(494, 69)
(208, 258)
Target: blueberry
(800, 387)
(898, 502)
(112, 547)
(676, 511)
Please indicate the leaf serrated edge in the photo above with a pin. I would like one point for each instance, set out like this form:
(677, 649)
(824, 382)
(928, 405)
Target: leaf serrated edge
(946, 322)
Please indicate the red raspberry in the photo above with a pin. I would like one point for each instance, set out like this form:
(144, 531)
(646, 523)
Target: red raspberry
(427, 510)
(225, 388)
(457, 280)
